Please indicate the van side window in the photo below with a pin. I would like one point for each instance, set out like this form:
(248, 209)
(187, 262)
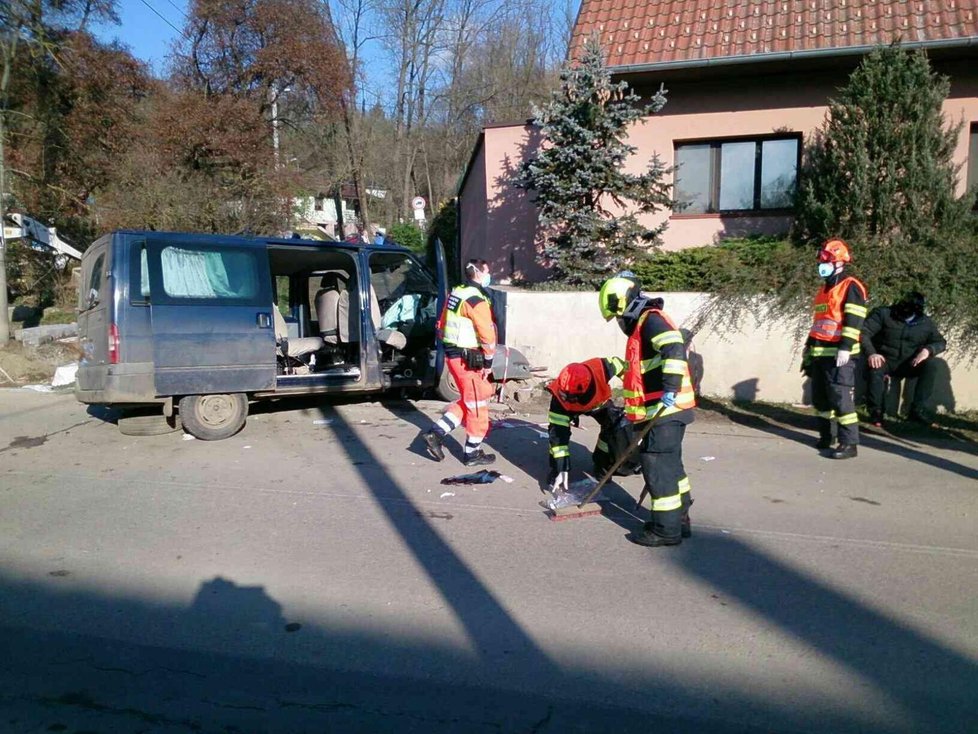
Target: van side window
(203, 273)
(89, 297)
(139, 274)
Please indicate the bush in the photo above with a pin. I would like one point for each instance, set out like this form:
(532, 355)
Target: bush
(443, 227)
(407, 235)
(753, 265)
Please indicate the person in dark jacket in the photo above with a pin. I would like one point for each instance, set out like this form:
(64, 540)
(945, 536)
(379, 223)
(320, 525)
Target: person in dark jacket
(901, 341)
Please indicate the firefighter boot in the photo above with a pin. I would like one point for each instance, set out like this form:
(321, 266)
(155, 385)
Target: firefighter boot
(479, 458)
(650, 540)
(432, 441)
(845, 451)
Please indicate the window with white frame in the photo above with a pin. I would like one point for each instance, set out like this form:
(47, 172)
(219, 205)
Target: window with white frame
(745, 175)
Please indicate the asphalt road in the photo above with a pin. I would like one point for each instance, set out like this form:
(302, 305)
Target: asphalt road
(312, 575)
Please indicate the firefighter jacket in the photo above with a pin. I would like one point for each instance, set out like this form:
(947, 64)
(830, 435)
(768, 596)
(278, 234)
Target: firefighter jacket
(563, 414)
(899, 339)
(467, 322)
(839, 312)
(656, 357)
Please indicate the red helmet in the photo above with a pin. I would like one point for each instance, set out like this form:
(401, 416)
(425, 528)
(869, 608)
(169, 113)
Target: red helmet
(834, 251)
(573, 380)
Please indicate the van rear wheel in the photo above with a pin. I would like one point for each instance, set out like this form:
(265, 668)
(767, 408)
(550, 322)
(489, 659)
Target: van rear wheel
(213, 417)
(447, 389)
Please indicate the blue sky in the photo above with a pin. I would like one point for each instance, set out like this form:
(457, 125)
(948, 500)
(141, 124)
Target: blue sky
(144, 31)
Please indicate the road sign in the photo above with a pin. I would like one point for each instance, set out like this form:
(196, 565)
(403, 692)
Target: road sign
(417, 203)
(419, 215)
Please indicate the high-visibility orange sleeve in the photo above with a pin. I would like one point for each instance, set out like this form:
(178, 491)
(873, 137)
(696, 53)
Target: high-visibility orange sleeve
(479, 313)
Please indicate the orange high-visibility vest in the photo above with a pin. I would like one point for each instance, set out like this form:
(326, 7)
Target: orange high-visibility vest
(829, 310)
(639, 403)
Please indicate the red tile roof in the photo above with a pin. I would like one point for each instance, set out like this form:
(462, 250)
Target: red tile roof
(645, 32)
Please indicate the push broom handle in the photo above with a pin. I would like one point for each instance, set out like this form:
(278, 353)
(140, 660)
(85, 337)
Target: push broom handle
(624, 457)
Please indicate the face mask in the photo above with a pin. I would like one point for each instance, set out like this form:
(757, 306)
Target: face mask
(825, 270)
(486, 280)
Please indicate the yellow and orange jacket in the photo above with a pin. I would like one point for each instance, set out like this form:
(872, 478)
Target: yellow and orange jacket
(656, 357)
(839, 310)
(467, 322)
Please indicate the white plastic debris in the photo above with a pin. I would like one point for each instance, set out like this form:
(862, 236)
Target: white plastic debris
(188, 437)
(64, 375)
(507, 479)
(447, 494)
(323, 422)
(247, 447)
(708, 458)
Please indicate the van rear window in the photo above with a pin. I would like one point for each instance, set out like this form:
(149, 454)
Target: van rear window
(193, 273)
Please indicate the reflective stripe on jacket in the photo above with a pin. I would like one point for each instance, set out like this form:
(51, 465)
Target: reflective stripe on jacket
(602, 388)
(645, 379)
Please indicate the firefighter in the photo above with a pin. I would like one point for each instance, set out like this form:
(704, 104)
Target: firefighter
(839, 312)
(468, 331)
(657, 384)
(581, 388)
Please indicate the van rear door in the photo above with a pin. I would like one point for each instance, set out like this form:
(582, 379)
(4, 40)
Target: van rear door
(94, 317)
(211, 305)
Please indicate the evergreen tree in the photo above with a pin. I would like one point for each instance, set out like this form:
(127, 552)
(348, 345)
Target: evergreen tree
(589, 205)
(880, 173)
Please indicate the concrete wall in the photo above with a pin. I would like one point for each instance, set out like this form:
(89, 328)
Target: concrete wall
(753, 362)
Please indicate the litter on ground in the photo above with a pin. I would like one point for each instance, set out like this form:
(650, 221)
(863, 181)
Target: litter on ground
(485, 476)
(323, 422)
(576, 493)
(708, 458)
(447, 494)
(188, 437)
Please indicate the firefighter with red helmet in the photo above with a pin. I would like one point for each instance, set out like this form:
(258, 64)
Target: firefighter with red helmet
(657, 385)
(581, 388)
(468, 331)
(833, 341)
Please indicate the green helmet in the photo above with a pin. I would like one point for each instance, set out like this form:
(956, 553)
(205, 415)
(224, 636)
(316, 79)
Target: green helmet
(616, 293)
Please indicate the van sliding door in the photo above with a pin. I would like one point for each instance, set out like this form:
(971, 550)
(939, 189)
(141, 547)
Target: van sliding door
(211, 309)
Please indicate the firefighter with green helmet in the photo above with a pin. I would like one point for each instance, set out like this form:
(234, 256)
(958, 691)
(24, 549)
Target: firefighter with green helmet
(657, 385)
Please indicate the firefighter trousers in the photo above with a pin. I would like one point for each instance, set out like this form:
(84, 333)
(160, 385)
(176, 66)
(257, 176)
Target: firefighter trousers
(665, 477)
(833, 397)
(472, 409)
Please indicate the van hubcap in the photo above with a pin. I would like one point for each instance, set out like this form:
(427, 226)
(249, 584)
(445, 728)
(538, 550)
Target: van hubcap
(215, 410)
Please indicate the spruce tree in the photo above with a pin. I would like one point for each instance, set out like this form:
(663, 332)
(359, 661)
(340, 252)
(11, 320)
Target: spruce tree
(588, 204)
(880, 173)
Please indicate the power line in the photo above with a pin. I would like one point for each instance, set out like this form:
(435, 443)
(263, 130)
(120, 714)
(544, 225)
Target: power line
(163, 18)
(178, 9)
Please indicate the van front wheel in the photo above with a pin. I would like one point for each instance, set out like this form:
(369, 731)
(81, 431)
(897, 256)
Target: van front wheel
(213, 417)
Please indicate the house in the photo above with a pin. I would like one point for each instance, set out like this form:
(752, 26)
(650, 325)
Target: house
(319, 212)
(747, 83)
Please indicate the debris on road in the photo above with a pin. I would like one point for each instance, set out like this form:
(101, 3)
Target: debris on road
(708, 458)
(64, 375)
(323, 422)
(575, 494)
(447, 494)
(485, 476)
(188, 437)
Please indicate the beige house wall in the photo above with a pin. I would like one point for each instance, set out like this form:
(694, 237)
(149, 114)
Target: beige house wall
(696, 110)
(752, 362)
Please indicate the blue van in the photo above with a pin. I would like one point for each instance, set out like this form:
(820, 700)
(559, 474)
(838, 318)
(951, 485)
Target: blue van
(201, 324)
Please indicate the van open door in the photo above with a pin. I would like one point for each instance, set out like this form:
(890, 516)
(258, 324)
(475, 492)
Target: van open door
(441, 273)
(211, 305)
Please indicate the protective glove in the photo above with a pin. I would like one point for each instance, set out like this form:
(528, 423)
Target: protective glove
(842, 358)
(560, 483)
(669, 399)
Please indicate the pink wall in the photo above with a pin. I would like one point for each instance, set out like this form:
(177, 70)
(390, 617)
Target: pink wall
(701, 109)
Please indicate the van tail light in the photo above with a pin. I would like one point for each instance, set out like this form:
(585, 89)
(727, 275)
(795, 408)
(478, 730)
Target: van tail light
(113, 344)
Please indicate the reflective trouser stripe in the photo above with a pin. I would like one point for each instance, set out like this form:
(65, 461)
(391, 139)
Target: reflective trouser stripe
(665, 504)
(558, 419)
(601, 446)
(559, 452)
(848, 419)
(827, 414)
(684, 485)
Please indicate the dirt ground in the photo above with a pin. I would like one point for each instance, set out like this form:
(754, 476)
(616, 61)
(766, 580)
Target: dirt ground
(26, 365)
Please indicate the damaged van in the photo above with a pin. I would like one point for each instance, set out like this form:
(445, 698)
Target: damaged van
(189, 328)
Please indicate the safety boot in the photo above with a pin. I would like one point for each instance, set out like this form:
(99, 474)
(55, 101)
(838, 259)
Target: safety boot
(845, 451)
(824, 442)
(432, 440)
(650, 540)
(479, 458)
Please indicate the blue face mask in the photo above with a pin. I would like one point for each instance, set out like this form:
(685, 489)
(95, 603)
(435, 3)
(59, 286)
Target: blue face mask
(825, 270)
(486, 281)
